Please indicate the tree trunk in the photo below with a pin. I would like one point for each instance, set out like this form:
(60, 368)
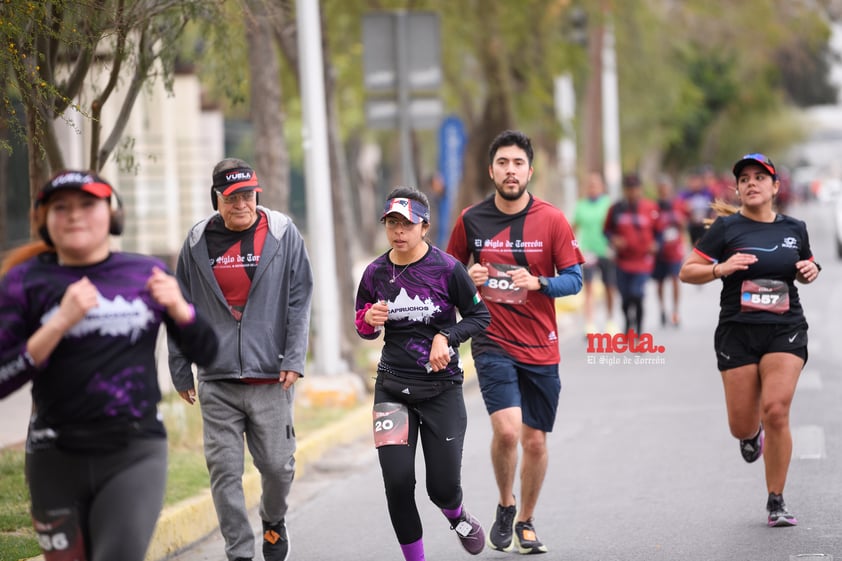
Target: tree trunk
(4, 170)
(346, 241)
(592, 129)
(39, 169)
(267, 116)
(495, 117)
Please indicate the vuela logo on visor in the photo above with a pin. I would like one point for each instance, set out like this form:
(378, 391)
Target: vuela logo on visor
(230, 180)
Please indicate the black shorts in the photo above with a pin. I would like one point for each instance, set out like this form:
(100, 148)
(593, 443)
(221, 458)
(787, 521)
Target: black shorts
(665, 269)
(738, 344)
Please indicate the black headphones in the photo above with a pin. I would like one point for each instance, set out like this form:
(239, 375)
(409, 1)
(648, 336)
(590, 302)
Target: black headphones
(71, 180)
(118, 215)
(239, 177)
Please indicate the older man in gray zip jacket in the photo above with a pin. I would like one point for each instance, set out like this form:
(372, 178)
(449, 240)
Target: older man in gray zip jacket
(246, 268)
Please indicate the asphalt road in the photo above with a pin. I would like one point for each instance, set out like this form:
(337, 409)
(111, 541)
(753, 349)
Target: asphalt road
(642, 466)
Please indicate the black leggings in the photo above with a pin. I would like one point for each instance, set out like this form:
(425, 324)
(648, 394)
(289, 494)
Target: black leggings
(633, 313)
(441, 422)
(105, 505)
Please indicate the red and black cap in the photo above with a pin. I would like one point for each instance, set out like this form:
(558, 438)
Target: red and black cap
(86, 181)
(236, 179)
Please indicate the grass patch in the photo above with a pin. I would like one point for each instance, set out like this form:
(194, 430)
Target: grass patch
(14, 507)
(14, 547)
(187, 473)
(17, 538)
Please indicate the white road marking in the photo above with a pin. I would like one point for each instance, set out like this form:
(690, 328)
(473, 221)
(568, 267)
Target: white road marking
(808, 442)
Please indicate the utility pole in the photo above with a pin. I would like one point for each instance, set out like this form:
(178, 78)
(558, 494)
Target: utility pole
(610, 112)
(326, 355)
(565, 103)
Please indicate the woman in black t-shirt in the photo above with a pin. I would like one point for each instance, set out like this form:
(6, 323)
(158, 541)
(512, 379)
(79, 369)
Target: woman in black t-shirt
(761, 339)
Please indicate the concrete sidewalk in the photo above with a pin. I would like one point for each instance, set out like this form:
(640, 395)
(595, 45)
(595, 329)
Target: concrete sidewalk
(15, 411)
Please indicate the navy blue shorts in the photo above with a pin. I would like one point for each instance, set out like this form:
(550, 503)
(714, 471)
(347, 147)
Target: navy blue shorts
(534, 388)
(631, 285)
(738, 344)
(607, 271)
(665, 269)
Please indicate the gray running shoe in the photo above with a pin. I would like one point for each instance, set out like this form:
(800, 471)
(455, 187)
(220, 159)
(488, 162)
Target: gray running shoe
(752, 448)
(778, 513)
(526, 540)
(500, 535)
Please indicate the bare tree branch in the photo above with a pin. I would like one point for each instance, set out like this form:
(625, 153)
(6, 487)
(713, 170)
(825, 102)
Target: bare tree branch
(76, 79)
(146, 58)
(114, 76)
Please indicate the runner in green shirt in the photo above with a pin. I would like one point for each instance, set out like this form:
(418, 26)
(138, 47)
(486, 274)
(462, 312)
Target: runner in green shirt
(588, 222)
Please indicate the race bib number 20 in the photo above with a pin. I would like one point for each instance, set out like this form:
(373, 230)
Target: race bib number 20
(391, 424)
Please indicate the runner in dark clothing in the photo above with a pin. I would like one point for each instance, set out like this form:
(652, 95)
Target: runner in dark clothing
(761, 339)
(82, 321)
(412, 294)
(672, 221)
(632, 230)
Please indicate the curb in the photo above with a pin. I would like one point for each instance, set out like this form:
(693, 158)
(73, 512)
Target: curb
(185, 523)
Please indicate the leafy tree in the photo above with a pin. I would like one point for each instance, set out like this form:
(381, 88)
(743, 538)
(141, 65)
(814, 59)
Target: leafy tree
(65, 59)
(804, 66)
(699, 87)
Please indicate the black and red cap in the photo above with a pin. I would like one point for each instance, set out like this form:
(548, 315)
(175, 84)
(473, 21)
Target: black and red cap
(236, 179)
(758, 159)
(86, 181)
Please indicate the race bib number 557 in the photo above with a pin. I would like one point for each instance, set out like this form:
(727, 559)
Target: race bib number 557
(764, 295)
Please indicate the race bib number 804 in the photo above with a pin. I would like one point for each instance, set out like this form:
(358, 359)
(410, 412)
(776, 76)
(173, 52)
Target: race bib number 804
(499, 286)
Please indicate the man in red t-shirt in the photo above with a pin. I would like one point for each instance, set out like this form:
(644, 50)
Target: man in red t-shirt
(524, 256)
(632, 228)
(672, 222)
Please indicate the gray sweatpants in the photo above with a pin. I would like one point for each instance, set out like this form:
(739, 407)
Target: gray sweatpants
(263, 414)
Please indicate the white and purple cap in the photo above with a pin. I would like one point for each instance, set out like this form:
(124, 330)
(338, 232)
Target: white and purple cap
(410, 209)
